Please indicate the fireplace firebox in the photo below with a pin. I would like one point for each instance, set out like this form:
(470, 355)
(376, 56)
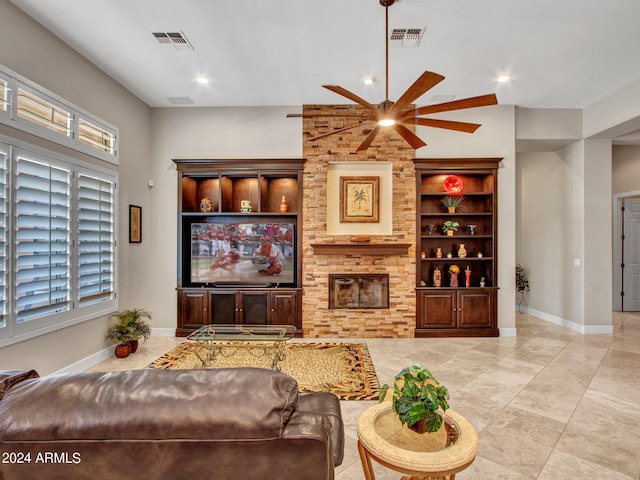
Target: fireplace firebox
(358, 291)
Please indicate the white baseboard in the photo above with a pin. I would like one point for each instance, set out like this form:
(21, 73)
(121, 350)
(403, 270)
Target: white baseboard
(576, 327)
(163, 332)
(87, 362)
(508, 332)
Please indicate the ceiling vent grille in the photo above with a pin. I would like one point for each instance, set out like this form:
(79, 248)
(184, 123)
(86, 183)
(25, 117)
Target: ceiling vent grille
(178, 40)
(406, 37)
(181, 100)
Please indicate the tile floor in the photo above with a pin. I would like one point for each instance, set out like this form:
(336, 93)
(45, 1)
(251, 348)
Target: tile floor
(549, 404)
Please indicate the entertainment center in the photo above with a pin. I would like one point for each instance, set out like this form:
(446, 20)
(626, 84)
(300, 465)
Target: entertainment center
(239, 234)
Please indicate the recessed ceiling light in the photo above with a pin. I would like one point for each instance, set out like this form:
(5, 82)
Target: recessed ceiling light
(505, 77)
(202, 79)
(369, 80)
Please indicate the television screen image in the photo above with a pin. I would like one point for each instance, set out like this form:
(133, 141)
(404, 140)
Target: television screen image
(242, 253)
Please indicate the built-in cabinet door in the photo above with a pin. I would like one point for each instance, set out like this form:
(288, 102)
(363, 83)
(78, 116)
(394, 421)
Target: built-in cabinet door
(437, 309)
(193, 311)
(284, 308)
(475, 308)
(254, 308)
(223, 308)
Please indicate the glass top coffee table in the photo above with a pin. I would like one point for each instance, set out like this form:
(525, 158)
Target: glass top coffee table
(226, 340)
(439, 455)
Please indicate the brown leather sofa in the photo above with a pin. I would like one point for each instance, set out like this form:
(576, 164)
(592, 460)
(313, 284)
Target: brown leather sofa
(243, 423)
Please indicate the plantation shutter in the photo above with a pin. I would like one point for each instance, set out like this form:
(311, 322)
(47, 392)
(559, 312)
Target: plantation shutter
(96, 243)
(3, 234)
(42, 239)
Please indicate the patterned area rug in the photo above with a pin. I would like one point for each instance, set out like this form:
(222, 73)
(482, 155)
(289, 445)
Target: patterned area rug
(345, 369)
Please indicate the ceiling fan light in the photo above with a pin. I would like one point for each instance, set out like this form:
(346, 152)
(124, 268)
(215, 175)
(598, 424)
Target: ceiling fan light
(387, 122)
(369, 80)
(505, 77)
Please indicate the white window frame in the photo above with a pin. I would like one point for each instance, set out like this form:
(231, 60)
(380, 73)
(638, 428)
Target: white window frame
(13, 332)
(11, 118)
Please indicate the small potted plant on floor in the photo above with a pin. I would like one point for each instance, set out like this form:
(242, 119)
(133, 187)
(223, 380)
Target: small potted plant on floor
(452, 202)
(522, 283)
(418, 399)
(130, 326)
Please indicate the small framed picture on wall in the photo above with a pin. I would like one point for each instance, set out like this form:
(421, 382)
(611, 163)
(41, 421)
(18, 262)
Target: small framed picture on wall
(359, 199)
(135, 224)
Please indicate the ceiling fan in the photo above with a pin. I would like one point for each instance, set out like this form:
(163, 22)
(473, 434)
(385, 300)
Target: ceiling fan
(396, 115)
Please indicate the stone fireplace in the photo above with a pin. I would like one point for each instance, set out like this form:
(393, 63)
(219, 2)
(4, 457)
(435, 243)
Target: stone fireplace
(380, 256)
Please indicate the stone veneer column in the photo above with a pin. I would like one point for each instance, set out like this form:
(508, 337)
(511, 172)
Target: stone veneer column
(317, 320)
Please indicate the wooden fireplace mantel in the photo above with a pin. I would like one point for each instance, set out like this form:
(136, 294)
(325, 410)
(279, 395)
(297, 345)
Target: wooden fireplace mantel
(361, 248)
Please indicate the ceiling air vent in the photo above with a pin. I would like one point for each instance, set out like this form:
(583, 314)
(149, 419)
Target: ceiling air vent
(181, 100)
(406, 37)
(178, 40)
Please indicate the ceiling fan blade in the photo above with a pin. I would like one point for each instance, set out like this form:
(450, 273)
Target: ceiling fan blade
(339, 130)
(410, 137)
(448, 124)
(367, 141)
(351, 96)
(472, 102)
(424, 83)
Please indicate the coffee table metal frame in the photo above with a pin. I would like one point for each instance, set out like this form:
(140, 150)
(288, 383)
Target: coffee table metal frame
(226, 340)
(386, 447)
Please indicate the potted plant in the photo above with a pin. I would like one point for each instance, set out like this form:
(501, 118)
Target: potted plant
(130, 326)
(418, 399)
(522, 283)
(452, 202)
(450, 226)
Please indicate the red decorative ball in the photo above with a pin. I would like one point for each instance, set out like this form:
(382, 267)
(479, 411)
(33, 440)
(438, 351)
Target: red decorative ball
(453, 184)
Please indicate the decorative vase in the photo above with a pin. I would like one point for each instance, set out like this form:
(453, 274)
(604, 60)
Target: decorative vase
(462, 252)
(482, 282)
(437, 278)
(449, 233)
(467, 277)
(430, 229)
(438, 252)
(454, 279)
(122, 350)
(283, 205)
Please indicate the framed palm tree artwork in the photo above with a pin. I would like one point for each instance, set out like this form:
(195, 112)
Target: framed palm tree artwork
(360, 199)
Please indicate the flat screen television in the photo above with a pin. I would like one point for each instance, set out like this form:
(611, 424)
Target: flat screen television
(225, 251)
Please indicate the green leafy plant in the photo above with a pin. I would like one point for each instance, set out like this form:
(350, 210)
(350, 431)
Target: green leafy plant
(522, 283)
(450, 225)
(417, 396)
(453, 201)
(131, 325)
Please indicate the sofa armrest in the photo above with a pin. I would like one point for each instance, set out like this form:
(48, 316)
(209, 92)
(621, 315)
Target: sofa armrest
(9, 378)
(327, 405)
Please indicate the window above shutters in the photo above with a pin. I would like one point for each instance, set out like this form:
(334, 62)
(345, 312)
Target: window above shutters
(32, 108)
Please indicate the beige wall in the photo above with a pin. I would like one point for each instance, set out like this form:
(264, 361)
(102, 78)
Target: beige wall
(564, 234)
(626, 169)
(34, 53)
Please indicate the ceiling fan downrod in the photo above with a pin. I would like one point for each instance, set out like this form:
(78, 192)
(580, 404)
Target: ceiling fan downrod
(386, 4)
